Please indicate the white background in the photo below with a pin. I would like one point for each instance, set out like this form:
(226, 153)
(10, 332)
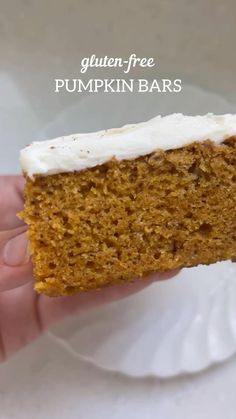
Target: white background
(46, 39)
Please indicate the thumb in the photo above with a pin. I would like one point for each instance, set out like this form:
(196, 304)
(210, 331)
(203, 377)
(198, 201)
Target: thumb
(15, 267)
(14, 247)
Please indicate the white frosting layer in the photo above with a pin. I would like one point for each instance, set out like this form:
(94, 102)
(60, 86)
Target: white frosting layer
(82, 151)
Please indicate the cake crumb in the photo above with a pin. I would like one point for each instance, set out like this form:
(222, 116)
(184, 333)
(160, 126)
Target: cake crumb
(112, 223)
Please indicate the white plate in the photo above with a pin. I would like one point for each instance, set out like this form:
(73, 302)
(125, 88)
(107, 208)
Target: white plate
(179, 326)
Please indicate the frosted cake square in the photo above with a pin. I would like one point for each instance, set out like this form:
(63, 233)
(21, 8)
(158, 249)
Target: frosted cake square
(107, 207)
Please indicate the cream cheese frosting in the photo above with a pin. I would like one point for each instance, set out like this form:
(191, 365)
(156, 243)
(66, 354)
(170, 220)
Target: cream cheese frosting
(82, 151)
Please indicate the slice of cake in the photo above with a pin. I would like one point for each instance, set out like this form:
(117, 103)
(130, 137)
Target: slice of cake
(107, 207)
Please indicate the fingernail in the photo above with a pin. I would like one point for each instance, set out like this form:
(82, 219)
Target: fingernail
(15, 252)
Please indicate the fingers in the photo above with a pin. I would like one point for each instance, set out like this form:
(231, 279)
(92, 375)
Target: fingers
(52, 310)
(15, 266)
(19, 321)
(11, 201)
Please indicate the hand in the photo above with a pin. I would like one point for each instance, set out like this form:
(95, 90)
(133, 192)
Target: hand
(23, 313)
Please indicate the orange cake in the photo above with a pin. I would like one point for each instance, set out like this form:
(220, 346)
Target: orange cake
(104, 208)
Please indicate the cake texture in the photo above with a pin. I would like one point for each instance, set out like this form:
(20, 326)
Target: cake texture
(153, 209)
